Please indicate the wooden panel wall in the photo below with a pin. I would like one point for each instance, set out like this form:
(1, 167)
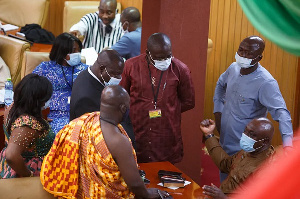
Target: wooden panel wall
(54, 22)
(228, 27)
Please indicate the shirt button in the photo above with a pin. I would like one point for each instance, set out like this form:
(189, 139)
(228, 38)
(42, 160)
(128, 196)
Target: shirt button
(150, 129)
(149, 142)
(149, 158)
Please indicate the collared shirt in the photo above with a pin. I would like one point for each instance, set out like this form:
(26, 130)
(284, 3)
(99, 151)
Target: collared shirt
(93, 29)
(94, 76)
(238, 167)
(241, 98)
(158, 139)
(130, 44)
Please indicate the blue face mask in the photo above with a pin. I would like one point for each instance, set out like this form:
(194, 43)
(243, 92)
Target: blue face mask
(75, 59)
(247, 143)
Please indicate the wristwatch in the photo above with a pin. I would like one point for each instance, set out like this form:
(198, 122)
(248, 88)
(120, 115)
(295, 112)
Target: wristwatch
(209, 136)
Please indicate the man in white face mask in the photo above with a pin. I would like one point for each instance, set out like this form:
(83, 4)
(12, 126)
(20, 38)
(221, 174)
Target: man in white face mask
(249, 91)
(87, 88)
(256, 148)
(160, 88)
(130, 43)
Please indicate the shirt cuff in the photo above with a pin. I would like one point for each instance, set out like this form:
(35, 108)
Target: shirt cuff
(287, 140)
(211, 143)
(218, 107)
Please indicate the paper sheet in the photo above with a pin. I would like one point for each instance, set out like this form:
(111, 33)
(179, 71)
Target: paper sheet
(90, 55)
(8, 27)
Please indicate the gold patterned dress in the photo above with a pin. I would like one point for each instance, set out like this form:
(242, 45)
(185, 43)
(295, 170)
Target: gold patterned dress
(39, 147)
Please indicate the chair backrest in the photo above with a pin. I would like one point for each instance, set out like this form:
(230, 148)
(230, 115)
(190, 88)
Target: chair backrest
(25, 188)
(75, 10)
(32, 59)
(12, 52)
(22, 12)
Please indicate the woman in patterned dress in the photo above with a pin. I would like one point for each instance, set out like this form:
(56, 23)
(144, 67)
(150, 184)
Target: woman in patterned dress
(62, 70)
(28, 137)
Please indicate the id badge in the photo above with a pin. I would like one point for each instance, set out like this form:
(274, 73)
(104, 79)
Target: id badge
(155, 113)
(69, 100)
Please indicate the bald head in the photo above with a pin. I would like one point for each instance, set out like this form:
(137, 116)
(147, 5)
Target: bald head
(131, 14)
(158, 41)
(255, 43)
(111, 3)
(114, 96)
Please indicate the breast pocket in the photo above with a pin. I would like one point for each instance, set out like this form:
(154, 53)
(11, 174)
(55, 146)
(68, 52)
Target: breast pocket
(244, 107)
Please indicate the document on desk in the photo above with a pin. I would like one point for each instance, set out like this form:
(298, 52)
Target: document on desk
(8, 27)
(90, 55)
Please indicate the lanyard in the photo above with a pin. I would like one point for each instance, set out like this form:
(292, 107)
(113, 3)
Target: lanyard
(71, 85)
(155, 95)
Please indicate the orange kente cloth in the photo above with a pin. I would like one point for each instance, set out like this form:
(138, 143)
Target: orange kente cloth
(79, 164)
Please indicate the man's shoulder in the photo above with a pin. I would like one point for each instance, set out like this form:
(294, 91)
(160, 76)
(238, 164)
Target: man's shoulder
(91, 15)
(264, 73)
(136, 60)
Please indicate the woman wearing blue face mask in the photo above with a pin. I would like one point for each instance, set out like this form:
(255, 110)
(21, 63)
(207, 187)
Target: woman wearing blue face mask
(62, 69)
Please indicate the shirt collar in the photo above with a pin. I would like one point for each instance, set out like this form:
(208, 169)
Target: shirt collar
(94, 76)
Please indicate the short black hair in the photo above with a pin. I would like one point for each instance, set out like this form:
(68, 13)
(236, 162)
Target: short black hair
(30, 95)
(63, 45)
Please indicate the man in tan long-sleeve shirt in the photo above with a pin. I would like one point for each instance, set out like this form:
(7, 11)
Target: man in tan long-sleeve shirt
(256, 145)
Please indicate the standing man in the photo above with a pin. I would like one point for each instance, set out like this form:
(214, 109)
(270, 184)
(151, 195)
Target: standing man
(88, 86)
(249, 91)
(130, 44)
(92, 156)
(160, 89)
(100, 29)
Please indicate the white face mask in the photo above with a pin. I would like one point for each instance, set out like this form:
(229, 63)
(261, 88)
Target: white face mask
(161, 65)
(243, 62)
(74, 60)
(112, 81)
(124, 31)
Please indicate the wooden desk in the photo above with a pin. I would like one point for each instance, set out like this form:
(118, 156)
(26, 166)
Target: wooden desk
(191, 191)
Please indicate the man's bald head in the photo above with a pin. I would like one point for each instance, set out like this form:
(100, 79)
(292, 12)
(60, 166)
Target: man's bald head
(111, 3)
(158, 47)
(255, 43)
(114, 96)
(261, 130)
(131, 14)
(108, 64)
(158, 41)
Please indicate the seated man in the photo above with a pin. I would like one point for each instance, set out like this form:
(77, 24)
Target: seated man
(256, 148)
(101, 29)
(92, 156)
(88, 86)
(130, 44)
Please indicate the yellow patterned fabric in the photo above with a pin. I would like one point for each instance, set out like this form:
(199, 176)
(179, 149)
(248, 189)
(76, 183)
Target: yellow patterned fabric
(79, 164)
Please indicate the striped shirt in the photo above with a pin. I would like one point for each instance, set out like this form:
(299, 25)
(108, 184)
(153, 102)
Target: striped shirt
(93, 29)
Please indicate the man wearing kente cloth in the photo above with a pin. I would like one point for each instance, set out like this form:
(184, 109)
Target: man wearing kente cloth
(92, 156)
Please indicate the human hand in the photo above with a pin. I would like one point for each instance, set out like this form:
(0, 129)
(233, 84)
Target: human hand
(213, 191)
(76, 33)
(207, 126)
(288, 150)
(156, 193)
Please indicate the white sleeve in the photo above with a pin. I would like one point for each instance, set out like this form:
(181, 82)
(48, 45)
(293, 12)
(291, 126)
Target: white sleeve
(80, 26)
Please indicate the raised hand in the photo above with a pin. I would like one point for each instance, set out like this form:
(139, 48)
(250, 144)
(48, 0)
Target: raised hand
(207, 126)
